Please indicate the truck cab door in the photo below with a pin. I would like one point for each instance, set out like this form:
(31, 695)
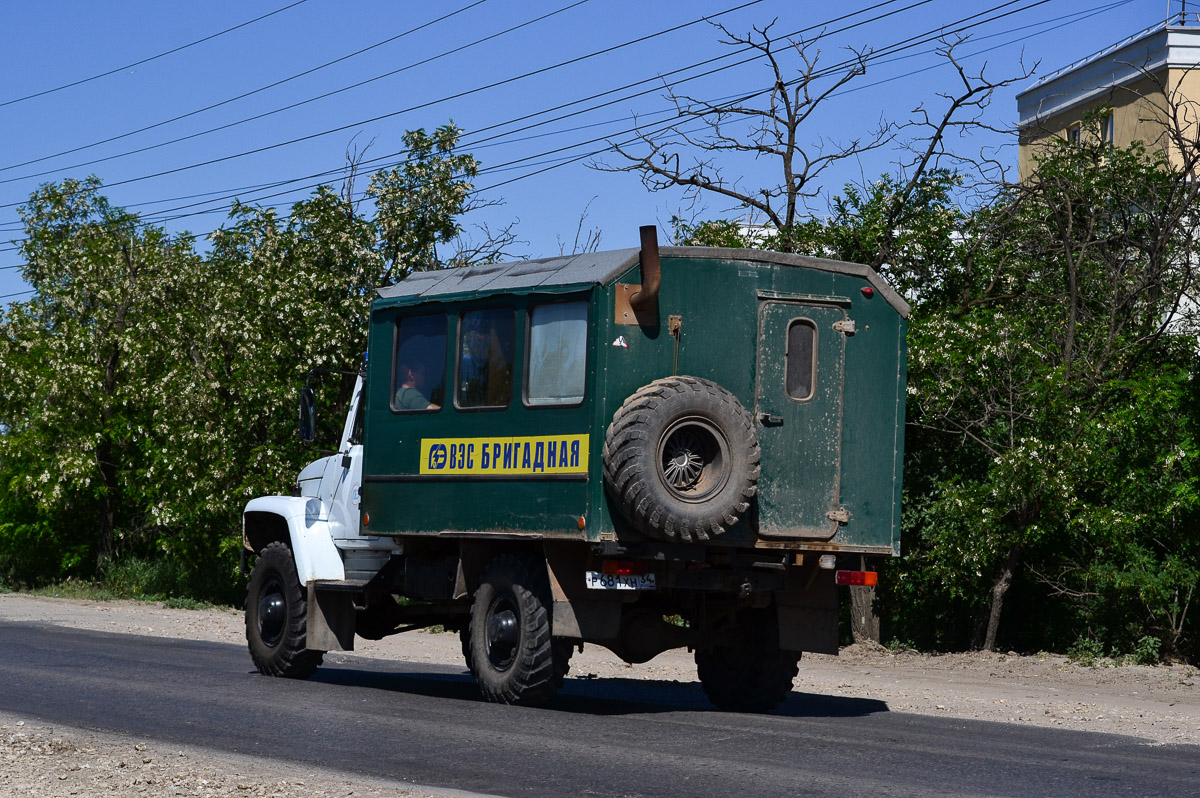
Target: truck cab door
(342, 478)
(798, 409)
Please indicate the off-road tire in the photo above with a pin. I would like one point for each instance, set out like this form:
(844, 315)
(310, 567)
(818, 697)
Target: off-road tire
(681, 459)
(507, 644)
(747, 671)
(277, 616)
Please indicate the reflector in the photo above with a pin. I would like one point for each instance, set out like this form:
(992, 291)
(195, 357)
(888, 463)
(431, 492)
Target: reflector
(864, 578)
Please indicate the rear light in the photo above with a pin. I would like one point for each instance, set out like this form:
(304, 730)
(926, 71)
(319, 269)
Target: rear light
(864, 578)
(623, 568)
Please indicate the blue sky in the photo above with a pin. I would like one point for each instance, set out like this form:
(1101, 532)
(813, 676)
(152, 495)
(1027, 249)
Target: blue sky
(53, 43)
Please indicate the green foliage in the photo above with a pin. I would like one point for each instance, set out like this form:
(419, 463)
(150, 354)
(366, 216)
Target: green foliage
(1147, 651)
(1051, 486)
(150, 391)
(1086, 651)
(421, 200)
(1050, 385)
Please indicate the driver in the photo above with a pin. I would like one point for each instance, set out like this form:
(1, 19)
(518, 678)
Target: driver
(411, 393)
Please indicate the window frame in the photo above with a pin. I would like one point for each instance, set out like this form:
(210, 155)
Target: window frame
(587, 354)
(787, 346)
(458, 343)
(396, 354)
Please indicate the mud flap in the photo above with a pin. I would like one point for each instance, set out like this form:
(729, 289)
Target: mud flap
(579, 613)
(330, 624)
(808, 611)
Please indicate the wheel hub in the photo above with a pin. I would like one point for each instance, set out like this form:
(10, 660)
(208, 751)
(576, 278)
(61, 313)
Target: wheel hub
(272, 614)
(503, 635)
(694, 459)
(684, 461)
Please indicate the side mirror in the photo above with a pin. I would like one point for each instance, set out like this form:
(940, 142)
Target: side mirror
(308, 414)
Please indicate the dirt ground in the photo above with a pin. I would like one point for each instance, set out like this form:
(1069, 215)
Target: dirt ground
(1159, 704)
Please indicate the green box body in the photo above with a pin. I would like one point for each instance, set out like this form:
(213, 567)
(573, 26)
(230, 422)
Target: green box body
(831, 461)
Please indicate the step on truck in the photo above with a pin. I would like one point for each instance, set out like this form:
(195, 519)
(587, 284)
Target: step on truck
(639, 449)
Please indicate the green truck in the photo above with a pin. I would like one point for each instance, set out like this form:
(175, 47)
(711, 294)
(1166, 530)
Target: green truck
(640, 449)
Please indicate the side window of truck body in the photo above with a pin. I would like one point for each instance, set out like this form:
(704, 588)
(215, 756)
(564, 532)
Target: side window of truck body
(556, 370)
(484, 355)
(801, 372)
(419, 364)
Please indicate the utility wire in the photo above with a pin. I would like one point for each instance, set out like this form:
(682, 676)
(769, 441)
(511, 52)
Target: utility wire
(825, 72)
(458, 95)
(656, 79)
(833, 69)
(896, 47)
(242, 96)
(172, 51)
(289, 107)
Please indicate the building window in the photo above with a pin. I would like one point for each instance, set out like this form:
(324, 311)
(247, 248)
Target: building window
(1075, 134)
(418, 379)
(557, 354)
(801, 358)
(1107, 130)
(485, 358)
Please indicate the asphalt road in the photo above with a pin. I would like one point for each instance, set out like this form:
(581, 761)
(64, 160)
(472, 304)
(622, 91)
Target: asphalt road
(425, 724)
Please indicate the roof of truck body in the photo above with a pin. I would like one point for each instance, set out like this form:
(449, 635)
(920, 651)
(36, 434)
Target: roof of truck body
(602, 268)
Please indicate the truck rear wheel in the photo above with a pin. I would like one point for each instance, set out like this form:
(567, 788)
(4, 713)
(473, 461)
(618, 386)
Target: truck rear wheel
(681, 459)
(747, 671)
(277, 616)
(508, 645)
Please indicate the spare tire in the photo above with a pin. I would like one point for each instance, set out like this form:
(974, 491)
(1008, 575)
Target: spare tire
(681, 459)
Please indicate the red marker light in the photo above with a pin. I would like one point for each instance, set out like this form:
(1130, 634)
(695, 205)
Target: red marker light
(622, 568)
(868, 292)
(864, 578)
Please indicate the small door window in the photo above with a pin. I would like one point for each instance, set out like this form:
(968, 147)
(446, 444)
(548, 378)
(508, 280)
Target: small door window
(801, 373)
(485, 358)
(419, 376)
(557, 354)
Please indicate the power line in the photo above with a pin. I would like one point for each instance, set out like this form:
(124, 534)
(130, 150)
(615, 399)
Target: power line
(430, 103)
(909, 43)
(893, 48)
(242, 96)
(477, 144)
(281, 109)
(640, 39)
(172, 51)
(655, 79)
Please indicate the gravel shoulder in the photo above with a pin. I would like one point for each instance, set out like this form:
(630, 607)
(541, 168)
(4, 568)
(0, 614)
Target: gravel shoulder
(1159, 704)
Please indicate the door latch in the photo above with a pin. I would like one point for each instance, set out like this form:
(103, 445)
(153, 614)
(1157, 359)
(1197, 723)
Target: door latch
(845, 326)
(769, 420)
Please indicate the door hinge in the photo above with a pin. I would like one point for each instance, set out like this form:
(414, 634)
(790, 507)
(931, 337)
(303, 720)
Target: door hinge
(845, 326)
(841, 515)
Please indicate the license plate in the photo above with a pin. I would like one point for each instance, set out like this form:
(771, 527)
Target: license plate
(599, 581)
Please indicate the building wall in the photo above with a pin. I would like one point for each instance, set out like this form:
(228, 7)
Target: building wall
(1134, 77)
(1137, 109)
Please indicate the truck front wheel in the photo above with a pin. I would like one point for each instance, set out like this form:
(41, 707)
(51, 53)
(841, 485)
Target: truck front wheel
(508, 645)
(277, 616)
(747, 671)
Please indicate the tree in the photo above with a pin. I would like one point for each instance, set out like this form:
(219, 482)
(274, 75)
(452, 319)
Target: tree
(83, 357)
(1070, 295)
(420, 204)
(773, 125)
(150, 392)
